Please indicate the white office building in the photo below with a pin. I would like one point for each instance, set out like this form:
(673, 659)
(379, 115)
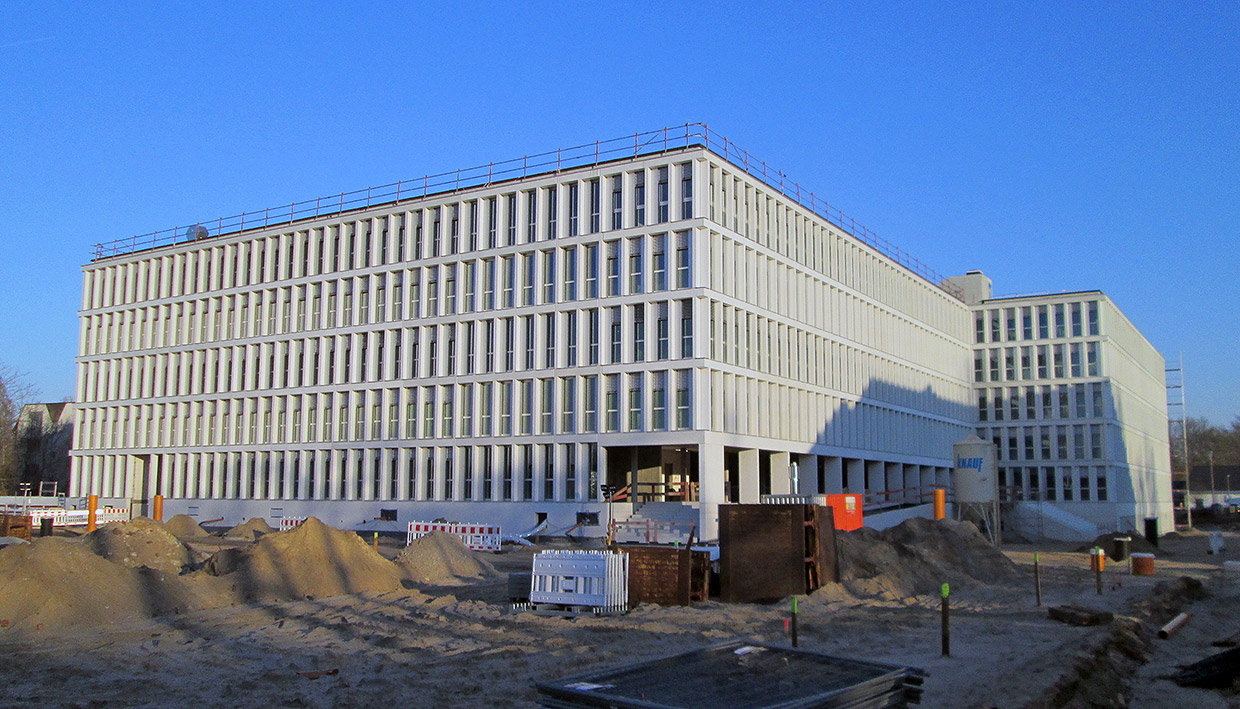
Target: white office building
(661, 314)
(1074, 399)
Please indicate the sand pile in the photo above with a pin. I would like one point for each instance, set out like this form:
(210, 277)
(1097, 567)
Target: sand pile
(140, 542)
(917, 556)
(185, 527)
(311, 561)
(441, 559)
(57, 585)
(251, 529)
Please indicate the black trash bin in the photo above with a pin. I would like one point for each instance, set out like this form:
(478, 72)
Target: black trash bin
(1120, 547)
(1151, 530)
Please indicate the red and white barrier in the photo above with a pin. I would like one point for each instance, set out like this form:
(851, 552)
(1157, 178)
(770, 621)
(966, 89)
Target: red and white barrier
(479, 537)
(287, 523)
(74, 518)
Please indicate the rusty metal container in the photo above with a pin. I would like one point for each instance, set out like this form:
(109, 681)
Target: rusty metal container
(669, 576)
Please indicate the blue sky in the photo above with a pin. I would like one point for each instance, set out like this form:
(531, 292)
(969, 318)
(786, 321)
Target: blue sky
(1054, 146)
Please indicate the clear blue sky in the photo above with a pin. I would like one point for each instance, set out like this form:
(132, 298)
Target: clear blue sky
(1055, 146)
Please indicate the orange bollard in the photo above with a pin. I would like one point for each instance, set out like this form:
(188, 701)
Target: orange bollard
(376, 542)
(940, 503)
(92, 503)
(157, 508)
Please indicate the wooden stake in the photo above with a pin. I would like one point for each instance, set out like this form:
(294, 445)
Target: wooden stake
(794, 621)
(1037, 579)
(947, 633)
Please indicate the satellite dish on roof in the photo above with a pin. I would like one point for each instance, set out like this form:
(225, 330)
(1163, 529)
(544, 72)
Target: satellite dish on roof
(196, 232)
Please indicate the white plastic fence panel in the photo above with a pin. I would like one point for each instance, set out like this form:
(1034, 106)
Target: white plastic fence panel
(598, 579)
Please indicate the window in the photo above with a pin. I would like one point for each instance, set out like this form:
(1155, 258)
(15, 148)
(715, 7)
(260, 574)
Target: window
(663, 194)
(1075, 310)
(1091, 358)
(486, 406)
(547, 396)
(616, 324)
(1075, 358)
(570, 273)
(658, 401)
(568, 405)
(1095, 441)
(683, 277)
(635, 266)
(661, 333)
(592, 352)
(639, 333)
(683, 414)
(1026, 319)
(686, 328)
(549, 340)
(531, 214)
(492, 222)
(527, 406)
(979, 322)
(659, 262)
(686, 191)
(511, 208)
(527, 290)
(510, 280)
(548, 289)
(613, 402)
(529, 341)
(573, 206)
(1092, 314)
(635, 402)
(591, 270)
(590, 419)
(1010, 316)
(617, 201)
(553, 210)
(595, 206)
(613, 268)
(570, 335)
(1043, 325)
(639, 198)
(1060, 324)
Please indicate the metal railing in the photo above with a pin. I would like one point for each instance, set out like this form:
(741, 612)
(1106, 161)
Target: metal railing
(586, 155)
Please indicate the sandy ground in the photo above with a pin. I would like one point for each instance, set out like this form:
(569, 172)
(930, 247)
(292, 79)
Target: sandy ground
(463, 646)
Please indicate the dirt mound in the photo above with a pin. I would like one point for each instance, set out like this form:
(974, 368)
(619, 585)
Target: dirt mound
(1138, 544)
(917, 556)
(311, 561)
(58, 585)
(441, 559)
(140, 542)
(185, 527)
(251, 529)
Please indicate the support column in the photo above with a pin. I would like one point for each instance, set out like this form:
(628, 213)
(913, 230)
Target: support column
(856, 476)
(895, 481)
(832, 476)
(710, 489)
(748, 463)
(807, 475)
(875, 481)
(781, 480)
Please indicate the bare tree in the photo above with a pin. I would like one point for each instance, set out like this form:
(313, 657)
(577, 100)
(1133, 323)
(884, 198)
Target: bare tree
(15, 391)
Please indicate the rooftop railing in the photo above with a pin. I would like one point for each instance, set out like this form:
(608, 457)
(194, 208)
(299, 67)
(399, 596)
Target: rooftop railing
(586, 155)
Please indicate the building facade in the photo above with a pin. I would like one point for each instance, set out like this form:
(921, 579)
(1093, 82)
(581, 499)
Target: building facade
(672, 323)
(1074, 399)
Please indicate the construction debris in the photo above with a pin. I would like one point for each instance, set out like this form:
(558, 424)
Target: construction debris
(1077, 615)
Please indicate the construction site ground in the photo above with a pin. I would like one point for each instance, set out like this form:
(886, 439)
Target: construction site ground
(450, 640)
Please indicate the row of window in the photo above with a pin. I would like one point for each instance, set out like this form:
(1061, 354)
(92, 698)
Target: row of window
(544, 471)
(572, 273)
(599, 336)
(1051, 483)
(774, 221)
(1075, 442)
(1045, 321)
(757, 279)
(1033, 362)
(745, 339)
(1046, 402)
(659, 400)
(528, 216)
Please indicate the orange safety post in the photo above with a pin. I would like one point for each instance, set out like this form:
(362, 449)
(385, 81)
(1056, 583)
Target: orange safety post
(92, 502)
(157, 509)
(940, 503)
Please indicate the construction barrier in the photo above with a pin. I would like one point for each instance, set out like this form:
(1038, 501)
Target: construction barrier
(479, 537)
(74, 518)
(594, 580)
(287, 523)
